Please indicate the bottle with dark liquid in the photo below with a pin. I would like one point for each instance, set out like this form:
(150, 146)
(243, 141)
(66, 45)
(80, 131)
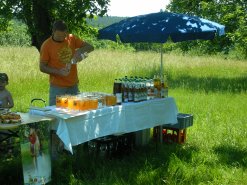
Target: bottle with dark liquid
(117, 91)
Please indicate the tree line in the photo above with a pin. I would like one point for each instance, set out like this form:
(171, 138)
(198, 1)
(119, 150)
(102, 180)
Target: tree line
(84, 18)
(232, 14)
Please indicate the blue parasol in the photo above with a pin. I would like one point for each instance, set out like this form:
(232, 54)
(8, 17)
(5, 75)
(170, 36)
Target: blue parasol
(158, 27)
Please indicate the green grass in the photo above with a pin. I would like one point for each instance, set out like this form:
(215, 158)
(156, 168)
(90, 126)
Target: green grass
(211, 88)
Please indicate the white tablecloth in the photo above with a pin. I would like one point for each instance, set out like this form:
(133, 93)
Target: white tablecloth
(74, 128)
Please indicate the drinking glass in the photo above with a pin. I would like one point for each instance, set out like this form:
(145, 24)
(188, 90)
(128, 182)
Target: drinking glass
(64, 102)
(59, 101)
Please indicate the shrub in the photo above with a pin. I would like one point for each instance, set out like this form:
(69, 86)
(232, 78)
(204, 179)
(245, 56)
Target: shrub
(16, 35)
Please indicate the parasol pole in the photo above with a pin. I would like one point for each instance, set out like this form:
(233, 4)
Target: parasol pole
(161, 60)
(161, 76)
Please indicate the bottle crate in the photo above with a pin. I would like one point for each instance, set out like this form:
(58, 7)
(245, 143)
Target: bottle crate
(174, 135)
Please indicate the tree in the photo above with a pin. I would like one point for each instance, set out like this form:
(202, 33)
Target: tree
(39, 15)
(232, 14)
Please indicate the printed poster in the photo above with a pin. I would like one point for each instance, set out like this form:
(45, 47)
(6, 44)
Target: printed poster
(35, 152)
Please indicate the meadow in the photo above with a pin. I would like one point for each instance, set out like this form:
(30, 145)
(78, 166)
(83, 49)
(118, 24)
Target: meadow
(211, 88)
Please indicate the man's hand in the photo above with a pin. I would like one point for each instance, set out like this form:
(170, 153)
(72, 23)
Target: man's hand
(79, 56)
(65, 71)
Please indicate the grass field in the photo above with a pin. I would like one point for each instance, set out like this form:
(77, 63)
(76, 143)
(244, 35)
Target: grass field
(211, 88)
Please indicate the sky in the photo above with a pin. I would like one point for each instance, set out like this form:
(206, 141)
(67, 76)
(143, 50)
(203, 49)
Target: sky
(129, 8)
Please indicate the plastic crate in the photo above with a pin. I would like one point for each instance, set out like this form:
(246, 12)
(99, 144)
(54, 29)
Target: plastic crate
(174, 135)
(184, 121)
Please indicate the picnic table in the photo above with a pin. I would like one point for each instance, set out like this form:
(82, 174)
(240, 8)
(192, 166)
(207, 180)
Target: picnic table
(77, 127)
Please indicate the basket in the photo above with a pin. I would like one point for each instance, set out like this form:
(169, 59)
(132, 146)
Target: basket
(38, 104)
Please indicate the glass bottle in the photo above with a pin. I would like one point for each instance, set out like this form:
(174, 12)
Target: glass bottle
(165, 87)
(117, 91)
(131, 91)
(125, 91)
(155, 80)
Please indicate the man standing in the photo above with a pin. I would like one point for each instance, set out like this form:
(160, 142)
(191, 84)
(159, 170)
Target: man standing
(55, 59)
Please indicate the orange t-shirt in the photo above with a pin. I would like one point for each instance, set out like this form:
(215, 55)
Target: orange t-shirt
(51, 52)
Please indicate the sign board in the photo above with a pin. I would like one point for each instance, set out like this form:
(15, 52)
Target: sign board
(35, 152)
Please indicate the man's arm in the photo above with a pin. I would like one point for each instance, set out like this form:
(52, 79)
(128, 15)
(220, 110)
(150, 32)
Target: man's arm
(86, 47)
(43, 66)
(80, 52)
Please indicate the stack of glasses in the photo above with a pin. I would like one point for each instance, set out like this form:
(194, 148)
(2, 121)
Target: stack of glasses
(85, 101)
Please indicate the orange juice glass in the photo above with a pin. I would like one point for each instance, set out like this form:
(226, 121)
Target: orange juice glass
(58, 101)
(111, 100)
(71, 102)
(81, 102)
(108, 100)
(64, 103)
(87, 103)
(76, 103)
(93, 103)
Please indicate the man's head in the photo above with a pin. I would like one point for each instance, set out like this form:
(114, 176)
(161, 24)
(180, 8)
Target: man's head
(59, 30)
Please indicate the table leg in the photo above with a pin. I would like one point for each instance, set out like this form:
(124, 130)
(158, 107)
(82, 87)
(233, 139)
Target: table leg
(8, 135)
(161, 134)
